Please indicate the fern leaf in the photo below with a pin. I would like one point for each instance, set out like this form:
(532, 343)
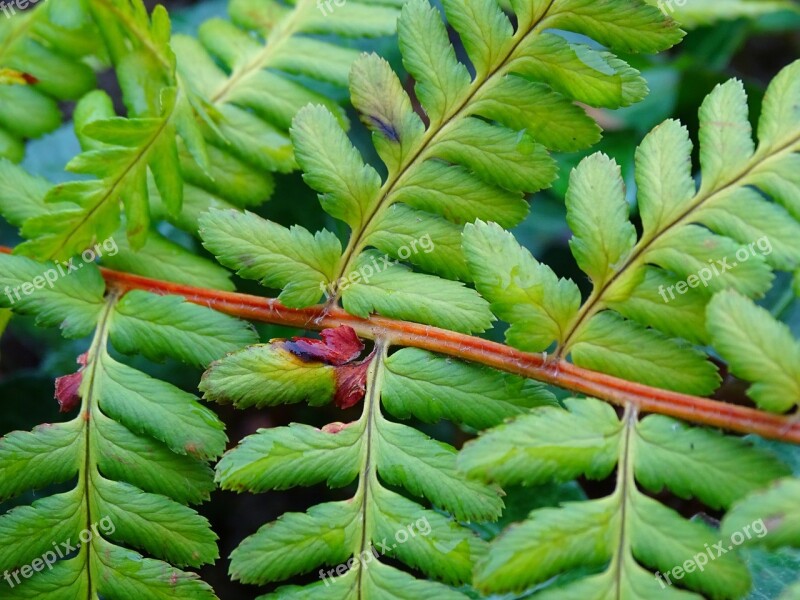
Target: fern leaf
(32, 460)
(484, 145)
(152, 407)
(647, 294)
(430, 388)
(162, 326)
(620, 533)
(611, 344)
(286, 457)
(405, 294)
(22, 198)
(191, 129)
(518, 287)
(700, 463)
(427, 468)
(297, 542)
(598, 217)
(123, 447)
(148, 464)
(555, 444)
(253, 98)
(374, 451)
(268, 375)
(292, 259)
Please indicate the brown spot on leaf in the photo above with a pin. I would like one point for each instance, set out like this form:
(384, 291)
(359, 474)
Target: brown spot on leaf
(334, 428)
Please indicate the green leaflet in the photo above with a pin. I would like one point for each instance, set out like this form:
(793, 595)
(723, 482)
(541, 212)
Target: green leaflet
(337, 171)
(297, 542)
(17, 184)
(395, 290)
(293, 259)
(126, 492)
(691, 461)
(155, 524)
(597, 214)
(758, 348)
(68, 295)
(551, 443)
(162, 326)
(695, 242)
(129, 575)
(522, 291)
(396, 236)
(430, 387)
(768, 517)
(148, 406)
(683, 316)
(610, 344)
(555, 539)
(347, 539)
(427, 468)
(33, 460)
(286, 457)
(150, 465)
(484, 146)
(614, 532)
(267, 375)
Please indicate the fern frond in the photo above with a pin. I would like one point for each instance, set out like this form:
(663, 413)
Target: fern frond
(253, 98)
(123, 151)
(43, 60)
(617, 536)
(483, 144)
(649, 292)
(192, 130)
(133, 433)
(22, 199)
(374, 451)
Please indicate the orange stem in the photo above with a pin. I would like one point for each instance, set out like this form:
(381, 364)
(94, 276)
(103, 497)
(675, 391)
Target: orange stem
(560, 373)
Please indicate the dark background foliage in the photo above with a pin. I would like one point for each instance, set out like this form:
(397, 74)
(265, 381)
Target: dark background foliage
(31, 358)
